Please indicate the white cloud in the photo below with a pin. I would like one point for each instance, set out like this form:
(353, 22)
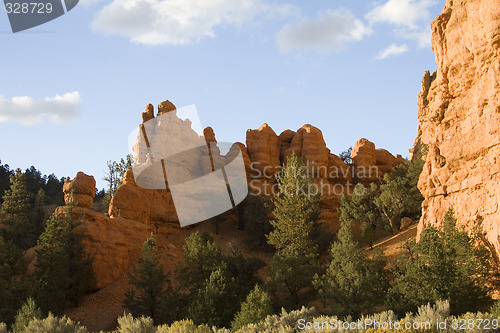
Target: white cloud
(404, 13)
(392, 50)
(27, 111)
(175, 22)
(327, 33)
(411, 19)
(422, 37)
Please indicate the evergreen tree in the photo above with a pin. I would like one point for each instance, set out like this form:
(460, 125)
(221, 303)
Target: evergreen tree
(255, 212)
(447, 264)
(5, 174)
(25, 315)
(362, 208)
(14, 285)
(201, 257)
(209, 304)
(64, 271)
(256, 308)
(206, 268)
(34, 180)
(53, 190)
(20, 228)
(353, 284)
(385, 204)
(39, 213)
(399, 195)
(151, 287)
(295, 212)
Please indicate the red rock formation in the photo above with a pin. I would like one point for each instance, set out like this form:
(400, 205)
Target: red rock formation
(80, 190)
(459, 118)
(135, 211)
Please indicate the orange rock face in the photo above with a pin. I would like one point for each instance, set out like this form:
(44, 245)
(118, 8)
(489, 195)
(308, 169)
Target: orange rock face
(459, 118)
(80, 190)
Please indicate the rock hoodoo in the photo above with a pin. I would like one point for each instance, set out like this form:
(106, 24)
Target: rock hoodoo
(459, 118)
(80, 190)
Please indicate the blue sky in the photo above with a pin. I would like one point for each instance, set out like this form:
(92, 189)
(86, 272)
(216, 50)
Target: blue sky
(73, 89)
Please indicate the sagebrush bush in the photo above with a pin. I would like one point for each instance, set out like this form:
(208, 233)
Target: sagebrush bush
(25, 315)
(128, 324)
(52, 324)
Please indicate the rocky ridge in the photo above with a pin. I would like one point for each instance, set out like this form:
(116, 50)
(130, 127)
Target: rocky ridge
(134, 212)
(459, 119)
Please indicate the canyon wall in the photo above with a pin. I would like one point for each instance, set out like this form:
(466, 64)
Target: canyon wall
(459, 119)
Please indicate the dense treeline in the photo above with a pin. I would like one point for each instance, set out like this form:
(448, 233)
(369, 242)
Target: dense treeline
(35, 181)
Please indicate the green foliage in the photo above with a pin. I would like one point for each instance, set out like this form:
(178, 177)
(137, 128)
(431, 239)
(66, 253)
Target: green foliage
(38, 215)
(353, 284)
(64, 272)
(295, 215)
(255, 214)
(13, 281)
(151, 288)
(116, 171)
(201, 257)
(34, 182)
(445, 264)
(128, 324)
(5, 173)
(495, 309)
(25, 315)
(256, 308)
(208, 305)
(384, 205)
(213, 284)
(183, 326)
(362, 208)
(286, 322)
(399, 195)
(3, 328)
(53, 324)
(19, 228)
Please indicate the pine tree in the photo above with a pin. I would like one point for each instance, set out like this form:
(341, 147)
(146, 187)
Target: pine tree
(353, 284)
(446, 264)
(209, 304)
(151, 287)
(64, 270)
(13, 282)
(39, 213)
(256, 308)
(16, 205)
(399, 195)
(201, 257)
(204, 269)
(295, 212)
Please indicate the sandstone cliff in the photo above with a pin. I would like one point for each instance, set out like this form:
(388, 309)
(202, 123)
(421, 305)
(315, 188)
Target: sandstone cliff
(459, 118)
